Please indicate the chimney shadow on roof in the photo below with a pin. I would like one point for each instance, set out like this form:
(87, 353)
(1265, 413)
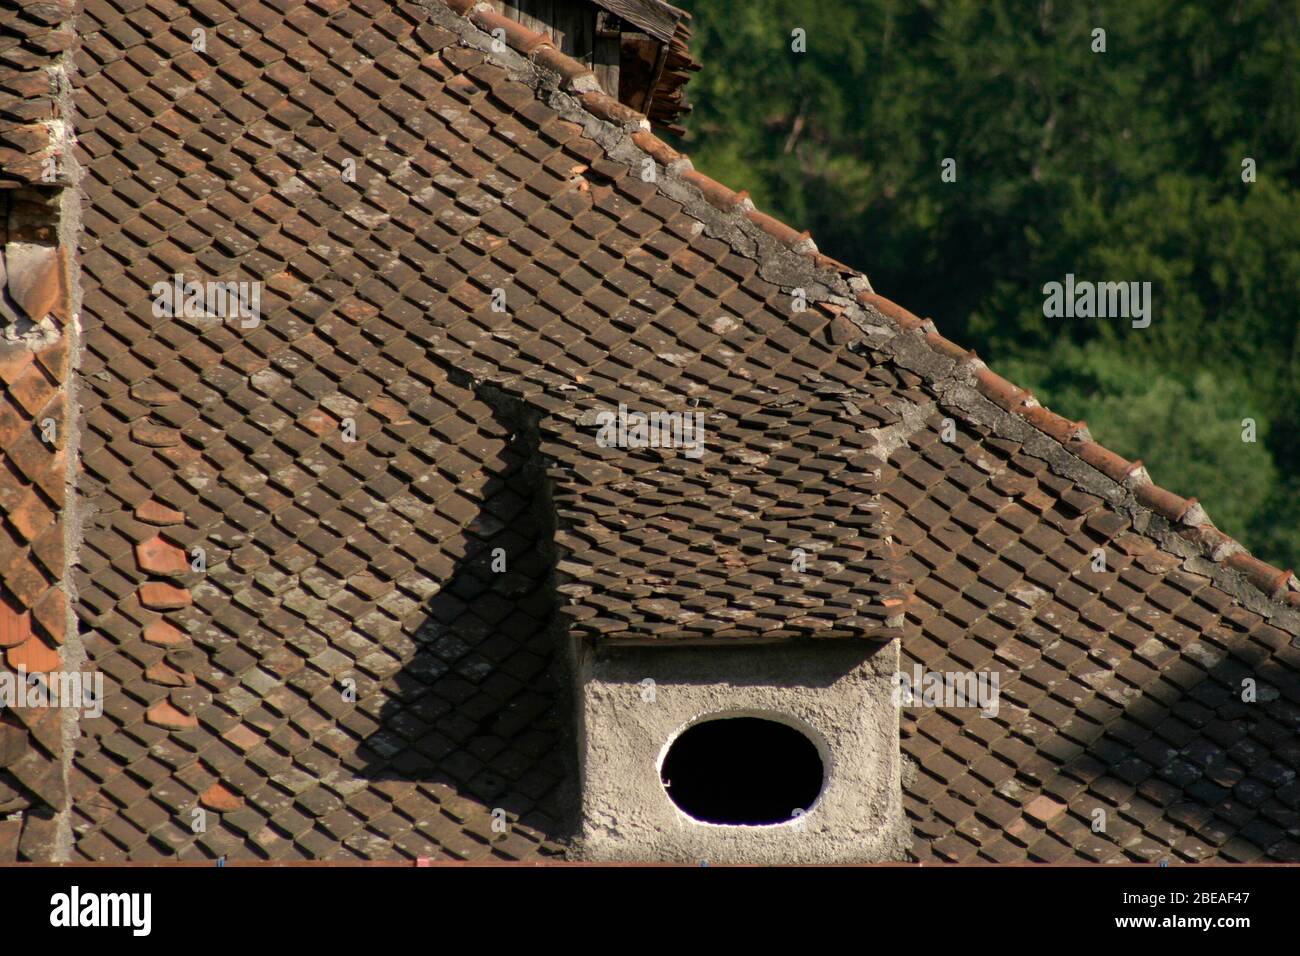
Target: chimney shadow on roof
(476, 713)
(1202, 763)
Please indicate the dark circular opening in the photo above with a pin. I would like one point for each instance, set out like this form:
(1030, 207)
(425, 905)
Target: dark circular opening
(742, 770)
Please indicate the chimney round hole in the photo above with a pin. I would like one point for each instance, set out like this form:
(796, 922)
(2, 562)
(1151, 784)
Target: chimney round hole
(745, 771)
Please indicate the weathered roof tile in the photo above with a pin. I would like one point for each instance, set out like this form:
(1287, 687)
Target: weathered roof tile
(339, 536)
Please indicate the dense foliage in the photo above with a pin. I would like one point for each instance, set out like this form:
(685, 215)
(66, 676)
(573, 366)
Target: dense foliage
(1122, 165)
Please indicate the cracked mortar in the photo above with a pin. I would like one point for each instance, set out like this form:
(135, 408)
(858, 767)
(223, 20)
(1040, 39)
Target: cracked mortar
(791, 269)
(74, 650)
(626, 814)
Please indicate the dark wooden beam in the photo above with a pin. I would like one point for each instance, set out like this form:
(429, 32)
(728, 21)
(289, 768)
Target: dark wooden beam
(655, 17)
(637, 49)
(655, 76)
(571, 24)
(606, 61)
(557, 17)
(638, 53)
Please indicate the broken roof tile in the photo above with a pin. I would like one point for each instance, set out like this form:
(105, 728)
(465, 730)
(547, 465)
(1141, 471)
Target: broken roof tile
(373, 558)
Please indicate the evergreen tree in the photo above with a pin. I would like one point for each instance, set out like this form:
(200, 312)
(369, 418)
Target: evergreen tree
(1122, 165)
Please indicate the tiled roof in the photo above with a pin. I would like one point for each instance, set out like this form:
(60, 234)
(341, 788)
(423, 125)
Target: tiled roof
(33, 39)
(617, 299)
(773, 533)
(34, 439)
(33, 604)
(326, 559)
(370, 559)
(1122, 688)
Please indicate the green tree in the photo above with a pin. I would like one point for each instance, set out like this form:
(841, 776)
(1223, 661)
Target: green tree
(1123, 165)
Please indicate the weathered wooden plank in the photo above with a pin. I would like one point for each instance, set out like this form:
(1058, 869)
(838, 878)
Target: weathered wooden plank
(655, 75)
(637, 55)
(571, 24)
(655, 17)
(579, 24)
(605, 59)
(557, 17)
(535, 15)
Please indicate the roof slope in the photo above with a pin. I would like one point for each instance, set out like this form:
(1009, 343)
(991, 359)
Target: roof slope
(33, 602)
(1125, 688)
(1121, 690)
(367, 558)
(35, 352)
(327, 560)
(33, 38)
(613, 297)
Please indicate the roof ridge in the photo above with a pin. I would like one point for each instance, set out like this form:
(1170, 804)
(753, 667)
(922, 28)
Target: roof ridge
(1187, 518)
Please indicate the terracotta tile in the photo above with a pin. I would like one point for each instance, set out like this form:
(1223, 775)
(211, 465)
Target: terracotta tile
(15, 625)
(31, 516)
(34, 656)
(1044, 808)
(219, 798)
(164, 634)
(337, 548)
(153, 393)
(14, 363)
(156, 513)
(242, 737)
(164, 714)
(157, 556)
(159, 596)
(34, 279)
(168, 676)
(155, 436)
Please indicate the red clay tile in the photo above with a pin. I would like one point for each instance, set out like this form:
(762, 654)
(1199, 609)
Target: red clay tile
(217, 797)
(717, 194)
(14, 362)
(34, 656)
(163, 633)
(164, 714)
(155, 436)
(1262, 574)
(1162, 502)
(242, 737)
(31, 516)
(157, 556)
(50, 612)
(152, 393)
(1044, 808)
(156, 513)
(15, 625)
(159, 596)
(569, 69)
(168, 676)
(891, 310)
(33, 277)
(516, 34)
(318, 422)
(996, 575)
(659, 151)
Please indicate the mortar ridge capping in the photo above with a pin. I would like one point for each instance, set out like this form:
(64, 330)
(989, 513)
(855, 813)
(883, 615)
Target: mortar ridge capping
(1168, 505)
